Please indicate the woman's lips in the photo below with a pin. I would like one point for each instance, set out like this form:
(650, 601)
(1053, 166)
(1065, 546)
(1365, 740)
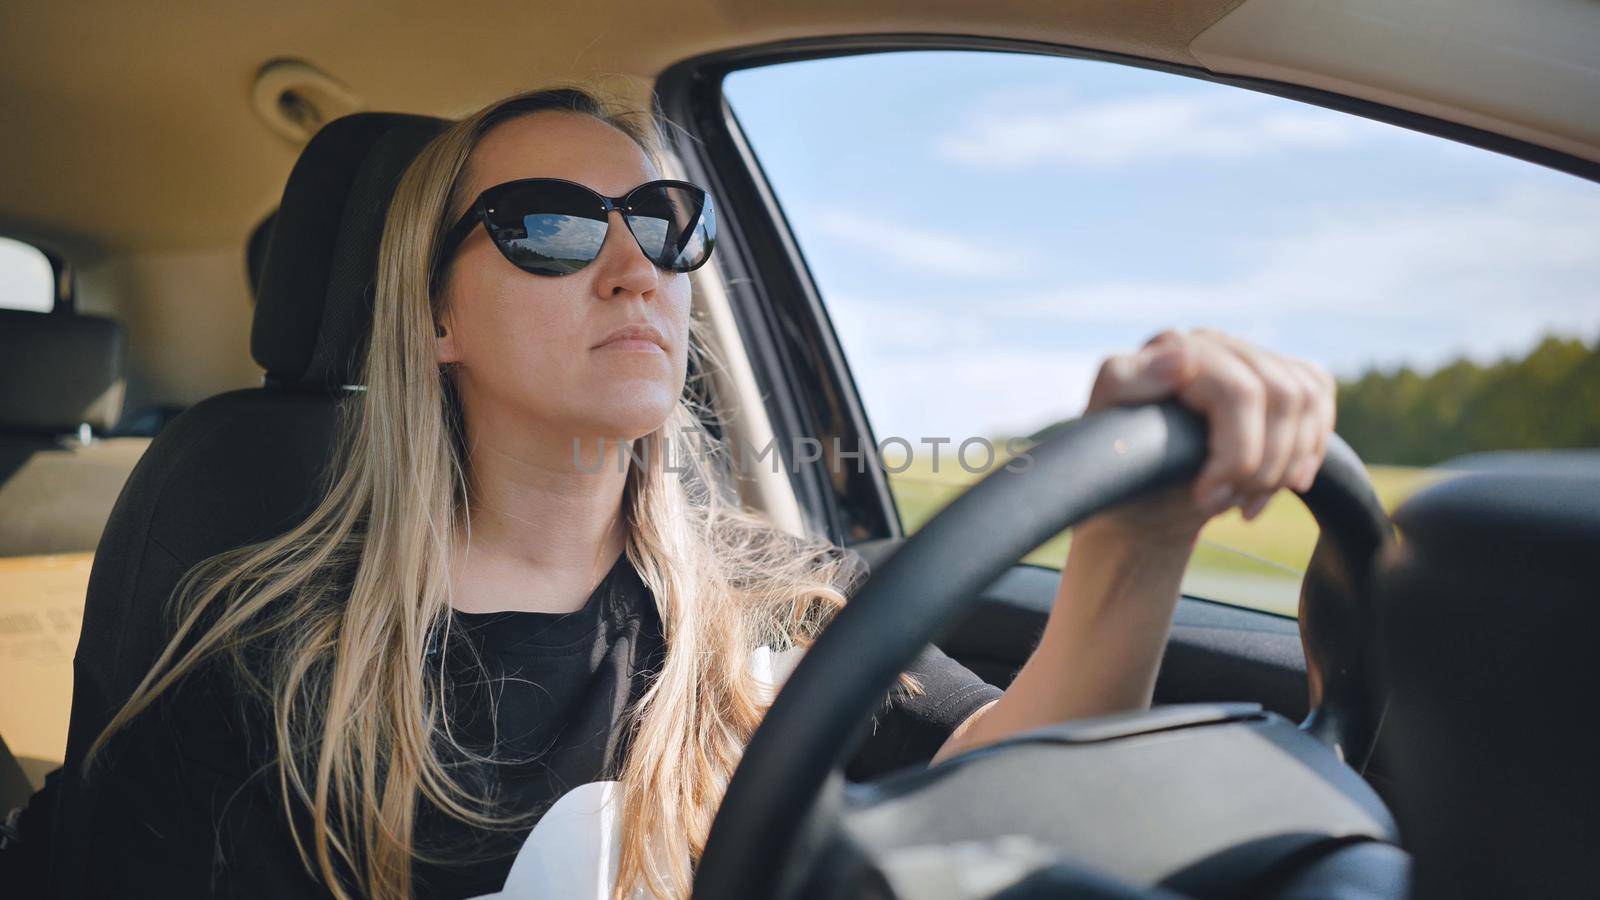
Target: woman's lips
(637, 337)
(632, 344)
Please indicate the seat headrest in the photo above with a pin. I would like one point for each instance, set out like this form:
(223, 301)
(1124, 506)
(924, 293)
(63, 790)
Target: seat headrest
(255, 253)
(59, 371)
(314, 307)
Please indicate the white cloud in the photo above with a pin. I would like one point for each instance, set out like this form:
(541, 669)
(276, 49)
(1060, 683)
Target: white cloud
(1534, 253)
(1055, 130)
(887, 324)
(1417, 285)
(998, 390)
(922, 249)
(925, 369)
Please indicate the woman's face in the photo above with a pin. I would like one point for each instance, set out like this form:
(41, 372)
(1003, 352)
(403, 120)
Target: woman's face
(529, 348)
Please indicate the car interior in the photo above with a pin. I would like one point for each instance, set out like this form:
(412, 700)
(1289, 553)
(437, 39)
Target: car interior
(209, 199)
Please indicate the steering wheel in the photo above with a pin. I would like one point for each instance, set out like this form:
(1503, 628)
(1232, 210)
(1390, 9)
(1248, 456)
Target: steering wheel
(787, 807)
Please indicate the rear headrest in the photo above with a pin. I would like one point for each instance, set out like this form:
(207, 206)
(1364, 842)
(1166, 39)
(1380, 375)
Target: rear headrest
(58, 371)
(314, 307)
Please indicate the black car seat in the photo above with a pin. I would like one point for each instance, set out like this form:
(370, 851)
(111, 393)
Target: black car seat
(255, 252)
(61, 388)
(245, 465)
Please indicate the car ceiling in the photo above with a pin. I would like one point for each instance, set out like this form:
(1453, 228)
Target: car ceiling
(130, 127)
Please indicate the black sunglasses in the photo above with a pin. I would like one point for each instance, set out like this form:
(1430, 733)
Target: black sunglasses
(551, 226)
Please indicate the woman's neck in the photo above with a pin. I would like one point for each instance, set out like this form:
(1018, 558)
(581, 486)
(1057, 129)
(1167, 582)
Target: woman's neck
(544, 530)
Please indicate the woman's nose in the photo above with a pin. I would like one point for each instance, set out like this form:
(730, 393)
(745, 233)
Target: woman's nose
(623, 264)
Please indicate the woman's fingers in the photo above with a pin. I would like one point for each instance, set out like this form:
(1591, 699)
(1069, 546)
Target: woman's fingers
(1234, 401)
(1287, 401)
(1324, 392)
(1292, 421)
(1154, 372)
(1269, 416)
(1295, 403)
(1253, 507)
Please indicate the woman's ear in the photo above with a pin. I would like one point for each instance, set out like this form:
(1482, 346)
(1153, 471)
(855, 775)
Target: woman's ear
(448, 353)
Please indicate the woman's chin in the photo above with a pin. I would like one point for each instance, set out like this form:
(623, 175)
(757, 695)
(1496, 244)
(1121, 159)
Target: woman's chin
(630, 419)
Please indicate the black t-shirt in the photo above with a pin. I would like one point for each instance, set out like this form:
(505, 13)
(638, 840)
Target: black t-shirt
(187, 802)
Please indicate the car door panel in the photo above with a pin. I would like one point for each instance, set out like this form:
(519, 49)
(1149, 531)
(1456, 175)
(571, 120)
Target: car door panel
(1215, 651)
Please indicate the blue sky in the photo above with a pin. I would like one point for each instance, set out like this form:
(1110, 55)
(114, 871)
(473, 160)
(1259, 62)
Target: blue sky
(985, 227)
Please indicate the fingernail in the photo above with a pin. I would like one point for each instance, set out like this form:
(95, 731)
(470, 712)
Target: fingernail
(1254, 507)
(1306, 474)
(1164, 364)
(1217, 499)
(1170, 362)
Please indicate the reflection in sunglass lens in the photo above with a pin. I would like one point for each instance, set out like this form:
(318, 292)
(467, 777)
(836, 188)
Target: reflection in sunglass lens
(555, 228)
(548, 228)
(554, 244)
(675, 226)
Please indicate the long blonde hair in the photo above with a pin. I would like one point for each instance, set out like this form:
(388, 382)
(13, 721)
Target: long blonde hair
(358, 722)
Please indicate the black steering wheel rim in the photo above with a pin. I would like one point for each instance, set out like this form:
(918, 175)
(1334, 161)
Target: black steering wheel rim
(1091, 465)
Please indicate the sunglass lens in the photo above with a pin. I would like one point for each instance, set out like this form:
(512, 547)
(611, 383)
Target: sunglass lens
(548, 228)
(675, 226)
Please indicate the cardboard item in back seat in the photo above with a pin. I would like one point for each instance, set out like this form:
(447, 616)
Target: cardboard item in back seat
(41, 613)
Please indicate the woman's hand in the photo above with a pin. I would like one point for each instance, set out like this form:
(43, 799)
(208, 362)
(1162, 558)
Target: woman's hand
(1269, 418)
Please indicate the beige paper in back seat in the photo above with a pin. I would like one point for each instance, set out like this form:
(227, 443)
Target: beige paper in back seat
(41, 612)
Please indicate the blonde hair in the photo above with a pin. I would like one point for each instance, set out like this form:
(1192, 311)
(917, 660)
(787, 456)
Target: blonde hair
(356, 718)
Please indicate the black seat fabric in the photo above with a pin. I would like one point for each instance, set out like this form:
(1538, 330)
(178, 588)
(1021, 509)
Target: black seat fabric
(59, 372)
(314, 303)
(1487, 635)
(255, 253)
(245, 465)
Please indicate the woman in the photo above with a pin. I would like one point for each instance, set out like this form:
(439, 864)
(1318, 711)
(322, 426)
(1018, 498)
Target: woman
(483, 651)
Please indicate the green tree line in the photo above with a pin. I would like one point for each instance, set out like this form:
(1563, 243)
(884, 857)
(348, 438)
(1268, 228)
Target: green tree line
(1549, 398)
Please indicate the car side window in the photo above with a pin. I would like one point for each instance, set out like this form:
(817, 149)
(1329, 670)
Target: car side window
(27, 277)
(984, 227)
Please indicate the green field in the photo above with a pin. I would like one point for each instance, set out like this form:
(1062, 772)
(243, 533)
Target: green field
(1256, 564)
